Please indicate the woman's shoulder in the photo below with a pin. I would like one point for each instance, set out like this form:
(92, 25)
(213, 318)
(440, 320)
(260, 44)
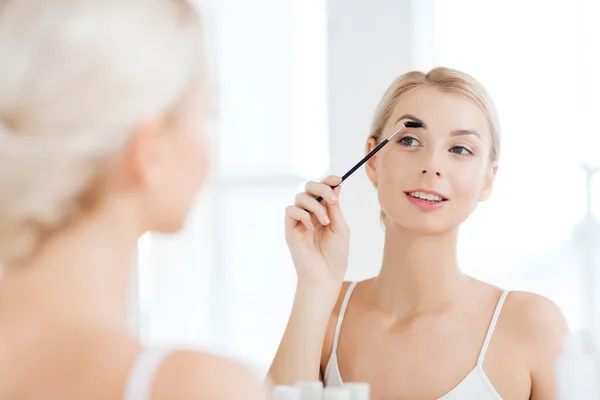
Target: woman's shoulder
(110, 364)
(532, 321)
(528, 314)
(196, 374)
(157, 372)
(537, 326)
(532, 315)
(535, 315)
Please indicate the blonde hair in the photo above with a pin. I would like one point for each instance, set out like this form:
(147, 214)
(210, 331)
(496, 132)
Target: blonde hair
(446, 80)
(76, 78)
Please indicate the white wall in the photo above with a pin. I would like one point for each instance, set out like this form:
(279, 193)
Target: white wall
(370, 43)
(522, 237)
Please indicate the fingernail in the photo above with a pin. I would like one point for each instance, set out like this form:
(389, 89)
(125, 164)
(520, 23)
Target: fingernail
(326, 220)
(333, 198)
(312, 227)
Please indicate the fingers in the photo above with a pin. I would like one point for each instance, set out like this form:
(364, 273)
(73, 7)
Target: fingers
(295, 215)
(332, 180)
(308, 210)
(338, 223)
(307, 202)
(324, 190)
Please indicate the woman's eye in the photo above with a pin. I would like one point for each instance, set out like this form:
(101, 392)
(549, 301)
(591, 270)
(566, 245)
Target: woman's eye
(409, 141)
(461, 150)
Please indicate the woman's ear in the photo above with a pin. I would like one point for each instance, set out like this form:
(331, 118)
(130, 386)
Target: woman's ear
(143, 157)
(371, 164)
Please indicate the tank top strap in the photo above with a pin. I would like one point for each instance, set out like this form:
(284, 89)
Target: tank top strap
(492, 327)
(340, 320)
(141, 377)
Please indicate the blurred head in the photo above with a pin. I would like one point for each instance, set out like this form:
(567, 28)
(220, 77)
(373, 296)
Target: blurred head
(430, 179)
(101, 103)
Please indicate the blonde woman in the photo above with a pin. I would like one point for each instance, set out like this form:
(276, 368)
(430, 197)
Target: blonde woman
(421, 329)
(101, 140)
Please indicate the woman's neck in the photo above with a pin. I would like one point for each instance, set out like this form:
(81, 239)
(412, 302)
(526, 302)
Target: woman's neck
(80, 276)
(419, 272)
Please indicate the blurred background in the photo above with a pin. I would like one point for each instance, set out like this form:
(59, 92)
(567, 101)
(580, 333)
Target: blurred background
(295, 83)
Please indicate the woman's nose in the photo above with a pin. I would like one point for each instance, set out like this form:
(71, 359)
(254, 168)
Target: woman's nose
(425, 172)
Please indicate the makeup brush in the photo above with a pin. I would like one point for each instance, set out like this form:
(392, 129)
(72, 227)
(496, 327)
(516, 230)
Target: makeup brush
(407, 124)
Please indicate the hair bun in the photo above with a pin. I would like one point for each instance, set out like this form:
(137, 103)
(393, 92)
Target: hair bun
(39, 191)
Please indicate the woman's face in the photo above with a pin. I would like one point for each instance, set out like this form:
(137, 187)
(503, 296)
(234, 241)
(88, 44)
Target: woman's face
(430, 179)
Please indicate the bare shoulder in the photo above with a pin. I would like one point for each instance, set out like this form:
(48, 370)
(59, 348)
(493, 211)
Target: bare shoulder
(538, 326)
(534, 315)
(192, 374)
(537, 322)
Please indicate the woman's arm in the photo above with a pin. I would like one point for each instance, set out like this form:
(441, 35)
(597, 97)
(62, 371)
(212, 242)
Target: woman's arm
(299, 355)
(318, 238)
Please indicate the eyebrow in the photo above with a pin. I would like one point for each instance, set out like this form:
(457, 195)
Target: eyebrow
(463, 132)
(412, 118)
(457, 132)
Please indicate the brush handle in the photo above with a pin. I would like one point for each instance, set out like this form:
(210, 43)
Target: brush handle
(360, 163)
(407, 124)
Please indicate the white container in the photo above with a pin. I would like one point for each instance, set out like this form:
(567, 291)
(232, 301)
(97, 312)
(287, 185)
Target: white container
(359, 390)
(311, 390)
(336, 393)
(576, 373)
(287, 393)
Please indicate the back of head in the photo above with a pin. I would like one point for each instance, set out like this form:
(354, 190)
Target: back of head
(76, 77)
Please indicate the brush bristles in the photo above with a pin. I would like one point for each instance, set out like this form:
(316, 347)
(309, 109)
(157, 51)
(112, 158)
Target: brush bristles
(413, 124)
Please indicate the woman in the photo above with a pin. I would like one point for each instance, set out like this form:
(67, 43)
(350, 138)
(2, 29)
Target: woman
(421, 329)
(101, 140)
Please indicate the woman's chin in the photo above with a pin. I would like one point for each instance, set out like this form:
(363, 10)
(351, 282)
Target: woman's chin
(421, 225)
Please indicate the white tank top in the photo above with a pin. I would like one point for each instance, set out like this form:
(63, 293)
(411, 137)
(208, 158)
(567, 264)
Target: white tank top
(141, 378)
(475, 385)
